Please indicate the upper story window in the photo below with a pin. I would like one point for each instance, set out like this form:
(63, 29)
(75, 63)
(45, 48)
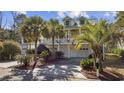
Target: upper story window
(67, 23)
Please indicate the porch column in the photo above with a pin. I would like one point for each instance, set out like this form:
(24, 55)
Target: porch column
(22, 40)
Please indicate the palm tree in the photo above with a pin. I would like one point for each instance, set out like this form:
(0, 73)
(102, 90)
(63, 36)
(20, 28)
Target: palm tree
(59, 34)
(4, 35)
(98, 35)
(1, 46)
(31, 30)
(118, 27)
(83, 20)
(55, 30)
(59, 31)
(120, 19)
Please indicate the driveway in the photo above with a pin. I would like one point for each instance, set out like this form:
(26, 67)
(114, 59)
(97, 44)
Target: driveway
(8, 64)
(65, 70)
(4, 70)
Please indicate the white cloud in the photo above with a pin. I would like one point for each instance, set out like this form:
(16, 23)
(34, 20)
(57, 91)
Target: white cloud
(49, 11)
(113, 13)
(85, 15)
(72, 14)
(22, 12)
(107, 14)
(61, 14)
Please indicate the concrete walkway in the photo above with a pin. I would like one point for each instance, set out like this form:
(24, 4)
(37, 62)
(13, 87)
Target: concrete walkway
(64, 70)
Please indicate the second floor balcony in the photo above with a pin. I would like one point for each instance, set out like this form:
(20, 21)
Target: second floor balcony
(59, 41)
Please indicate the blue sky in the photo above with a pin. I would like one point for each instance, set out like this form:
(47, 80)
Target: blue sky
(110, 15)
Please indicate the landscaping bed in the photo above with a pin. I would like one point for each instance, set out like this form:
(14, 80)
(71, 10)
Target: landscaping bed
(90, 73)
(105, 75)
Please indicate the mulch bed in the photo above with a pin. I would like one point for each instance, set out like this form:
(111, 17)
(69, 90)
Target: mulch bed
(105, 75)
(89, 73)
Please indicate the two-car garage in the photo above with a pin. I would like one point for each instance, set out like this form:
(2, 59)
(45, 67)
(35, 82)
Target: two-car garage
(70, 51)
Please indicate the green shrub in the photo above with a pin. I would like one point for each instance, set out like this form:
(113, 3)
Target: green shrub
(10, 50)
(87, 63)
(30, 51)
(44, 54)
(18, 58)
(59, 54)
(122, 54)
(24, 59)
(1, 47)
(112, 56)
(117, 51)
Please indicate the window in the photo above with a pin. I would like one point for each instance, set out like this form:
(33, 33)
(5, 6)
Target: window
(67, 23)
(83, 48)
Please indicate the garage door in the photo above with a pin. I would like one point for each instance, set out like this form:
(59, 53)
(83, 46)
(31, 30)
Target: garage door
(74, 52)
(79, 53)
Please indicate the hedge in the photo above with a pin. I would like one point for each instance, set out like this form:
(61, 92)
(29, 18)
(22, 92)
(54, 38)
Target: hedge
(10, 50)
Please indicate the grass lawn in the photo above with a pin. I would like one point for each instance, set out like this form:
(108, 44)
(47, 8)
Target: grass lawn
(113, 69)
(116, 66)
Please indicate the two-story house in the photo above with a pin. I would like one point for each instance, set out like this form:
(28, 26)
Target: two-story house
(66, 44)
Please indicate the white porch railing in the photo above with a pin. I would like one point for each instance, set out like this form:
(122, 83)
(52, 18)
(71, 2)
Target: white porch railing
(59, 41)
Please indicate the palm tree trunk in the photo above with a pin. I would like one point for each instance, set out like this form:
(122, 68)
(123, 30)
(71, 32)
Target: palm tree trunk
(35, 56)
(58, 49)
(100, 62)
(94, 64)
(95, 58)
(53, 43)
